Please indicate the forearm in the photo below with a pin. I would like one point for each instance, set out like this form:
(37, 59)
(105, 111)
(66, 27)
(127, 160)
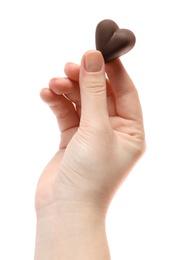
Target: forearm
(73, 236)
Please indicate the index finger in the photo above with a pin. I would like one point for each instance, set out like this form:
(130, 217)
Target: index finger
(126, 95)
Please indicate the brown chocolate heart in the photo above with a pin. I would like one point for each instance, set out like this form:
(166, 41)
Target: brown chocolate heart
(113, 42)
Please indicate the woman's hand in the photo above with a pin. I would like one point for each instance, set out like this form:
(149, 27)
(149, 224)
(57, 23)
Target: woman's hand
(102, 137)
(102, 134)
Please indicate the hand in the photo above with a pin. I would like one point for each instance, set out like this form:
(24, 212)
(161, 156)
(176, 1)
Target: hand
(102, 137)
(102, 134)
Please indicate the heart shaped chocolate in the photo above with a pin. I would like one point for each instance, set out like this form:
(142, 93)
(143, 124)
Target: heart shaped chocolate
(113, 42)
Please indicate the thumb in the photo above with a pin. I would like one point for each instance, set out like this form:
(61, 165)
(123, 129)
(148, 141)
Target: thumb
(93, 88)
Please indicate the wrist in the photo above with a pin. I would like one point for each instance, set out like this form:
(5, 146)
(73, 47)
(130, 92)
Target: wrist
(71, 234)
(67, 210)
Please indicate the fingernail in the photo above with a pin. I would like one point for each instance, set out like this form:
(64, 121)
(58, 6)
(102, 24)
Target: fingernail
(93, 61)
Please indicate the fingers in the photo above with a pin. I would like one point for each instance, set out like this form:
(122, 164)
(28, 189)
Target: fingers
(69, 88)
(72, 71)
(62, 108)
(100, 97)
(93, 88)
(63, 86)
(127, 100)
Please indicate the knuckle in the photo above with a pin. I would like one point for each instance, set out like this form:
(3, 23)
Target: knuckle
(96, 86)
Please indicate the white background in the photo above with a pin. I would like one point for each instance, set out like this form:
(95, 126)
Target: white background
(37, 37)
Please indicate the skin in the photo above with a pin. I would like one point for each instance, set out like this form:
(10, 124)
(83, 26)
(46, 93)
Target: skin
(102, 137)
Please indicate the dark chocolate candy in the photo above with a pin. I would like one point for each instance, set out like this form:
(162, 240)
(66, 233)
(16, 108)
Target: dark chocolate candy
(113, 42)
